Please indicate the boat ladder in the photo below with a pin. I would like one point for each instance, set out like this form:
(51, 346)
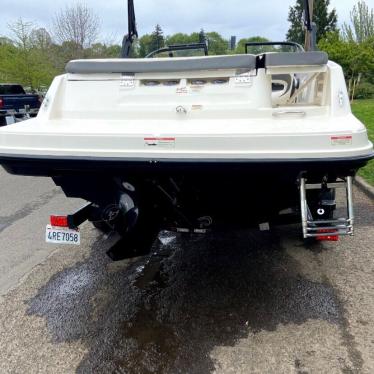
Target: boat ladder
(326, 229)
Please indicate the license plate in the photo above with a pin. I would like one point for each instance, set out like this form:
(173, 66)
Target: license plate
(62, 235)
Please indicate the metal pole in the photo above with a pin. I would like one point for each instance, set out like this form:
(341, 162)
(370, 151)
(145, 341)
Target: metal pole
(304, 214)
(351, 214)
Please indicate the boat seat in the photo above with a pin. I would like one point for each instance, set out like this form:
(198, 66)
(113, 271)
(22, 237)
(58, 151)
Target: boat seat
(295, 59)
(161, 65)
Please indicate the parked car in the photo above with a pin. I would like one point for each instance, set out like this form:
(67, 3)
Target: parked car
(16, 104)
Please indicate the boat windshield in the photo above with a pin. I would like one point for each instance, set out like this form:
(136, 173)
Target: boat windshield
(181, 50)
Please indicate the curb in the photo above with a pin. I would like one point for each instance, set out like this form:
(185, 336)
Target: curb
(364, 187)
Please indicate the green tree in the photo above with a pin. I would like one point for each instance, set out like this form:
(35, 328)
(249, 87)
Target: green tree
(356, 59)
(354, 50)
(7, 53)
(101, 50)
(24, 61)
(145, 45)
(240, 48)
(179, 38)
(202, 36)
(195, 37)
(362, 24)
(217, 44)
(325, 20)
(69, 50)
(157, 39)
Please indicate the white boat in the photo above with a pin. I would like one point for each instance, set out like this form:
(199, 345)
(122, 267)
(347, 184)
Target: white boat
(197, 142)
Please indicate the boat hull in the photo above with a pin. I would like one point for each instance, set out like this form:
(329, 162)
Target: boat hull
(56, 165)
(233, 193)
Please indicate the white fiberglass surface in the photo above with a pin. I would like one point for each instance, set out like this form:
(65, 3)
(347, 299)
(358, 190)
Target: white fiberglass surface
(261, 126)
(108, 100)
(212, 140)
(95, 116)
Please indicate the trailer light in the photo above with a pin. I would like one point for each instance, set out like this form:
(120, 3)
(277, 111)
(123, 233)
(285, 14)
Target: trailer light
(328, 238)
(59, 221)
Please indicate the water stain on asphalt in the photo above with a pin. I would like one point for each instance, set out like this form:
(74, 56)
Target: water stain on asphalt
(166, 312)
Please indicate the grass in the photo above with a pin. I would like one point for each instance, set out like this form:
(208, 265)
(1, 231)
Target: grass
(364, 111)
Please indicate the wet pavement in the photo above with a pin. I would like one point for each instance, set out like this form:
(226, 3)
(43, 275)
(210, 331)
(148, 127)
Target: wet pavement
(240, 302)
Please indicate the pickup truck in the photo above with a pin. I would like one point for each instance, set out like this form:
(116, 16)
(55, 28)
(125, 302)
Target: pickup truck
(15, 103)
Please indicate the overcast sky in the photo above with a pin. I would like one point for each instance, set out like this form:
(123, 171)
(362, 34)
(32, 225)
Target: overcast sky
(242, 18)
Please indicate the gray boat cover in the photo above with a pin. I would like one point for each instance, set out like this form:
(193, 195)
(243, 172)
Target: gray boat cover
(296, 59)
(160, 65)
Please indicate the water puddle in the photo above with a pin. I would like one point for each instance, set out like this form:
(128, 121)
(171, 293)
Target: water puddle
(166, 312)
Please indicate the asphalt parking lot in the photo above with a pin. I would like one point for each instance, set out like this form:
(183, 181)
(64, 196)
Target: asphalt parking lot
(244, 302)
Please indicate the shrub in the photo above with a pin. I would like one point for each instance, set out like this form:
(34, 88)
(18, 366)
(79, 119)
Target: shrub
(365, 90)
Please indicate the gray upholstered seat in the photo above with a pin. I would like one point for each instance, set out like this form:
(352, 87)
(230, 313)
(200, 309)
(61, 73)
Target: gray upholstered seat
(161, 65)
(295, 59)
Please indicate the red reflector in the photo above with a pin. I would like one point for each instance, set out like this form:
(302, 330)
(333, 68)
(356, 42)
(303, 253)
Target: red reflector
(59, 221)
(328, 238)
(1, 103)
